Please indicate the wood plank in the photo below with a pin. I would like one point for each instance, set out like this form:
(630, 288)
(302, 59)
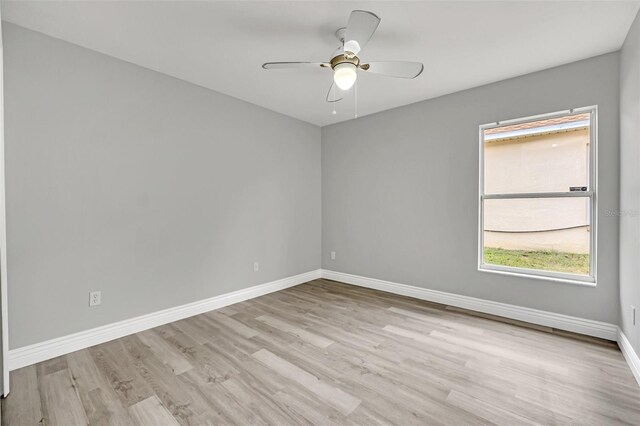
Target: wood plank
(101, 403)
(24, 407)
(314, 339)
(117, 367)
(338, 399)
(151, 412)
(493, 413)
(62, 401)
(233, 325)
(185, 403)
(168, 354)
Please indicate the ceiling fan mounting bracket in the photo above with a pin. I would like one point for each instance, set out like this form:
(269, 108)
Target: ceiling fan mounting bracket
(340, 34)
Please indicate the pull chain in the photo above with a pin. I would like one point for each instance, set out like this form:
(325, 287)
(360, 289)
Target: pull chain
(334, 100)
(355, 103)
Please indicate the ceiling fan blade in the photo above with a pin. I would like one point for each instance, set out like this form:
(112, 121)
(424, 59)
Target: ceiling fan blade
(361, 26)
(334, 94)
(400, 69)
(286, 65)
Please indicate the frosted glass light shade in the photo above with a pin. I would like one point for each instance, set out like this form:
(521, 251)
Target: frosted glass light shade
(344, 75)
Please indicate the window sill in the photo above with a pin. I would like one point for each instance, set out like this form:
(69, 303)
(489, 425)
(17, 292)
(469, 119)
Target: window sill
(561, 278)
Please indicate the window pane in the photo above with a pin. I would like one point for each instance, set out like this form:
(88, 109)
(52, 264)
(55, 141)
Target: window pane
(549, 155)
(551, 234)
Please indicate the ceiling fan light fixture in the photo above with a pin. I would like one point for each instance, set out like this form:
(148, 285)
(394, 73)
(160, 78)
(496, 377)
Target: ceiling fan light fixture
(345, 62)
(344, 75)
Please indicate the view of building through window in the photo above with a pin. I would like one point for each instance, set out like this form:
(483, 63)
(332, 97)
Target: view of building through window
(536, 206)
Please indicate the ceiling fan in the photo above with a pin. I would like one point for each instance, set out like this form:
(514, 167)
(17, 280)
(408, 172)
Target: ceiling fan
(345, 61)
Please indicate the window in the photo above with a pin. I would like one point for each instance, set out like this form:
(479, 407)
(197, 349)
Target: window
(538, 196)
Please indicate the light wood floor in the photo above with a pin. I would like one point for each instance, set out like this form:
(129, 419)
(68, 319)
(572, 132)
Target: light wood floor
(330, 353)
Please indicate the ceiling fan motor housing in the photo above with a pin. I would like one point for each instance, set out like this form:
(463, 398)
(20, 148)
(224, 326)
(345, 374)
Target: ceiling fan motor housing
(346, 57)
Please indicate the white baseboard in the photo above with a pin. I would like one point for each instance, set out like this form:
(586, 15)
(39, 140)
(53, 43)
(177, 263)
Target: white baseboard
(549, 319)
(629, 354)
(28, 355)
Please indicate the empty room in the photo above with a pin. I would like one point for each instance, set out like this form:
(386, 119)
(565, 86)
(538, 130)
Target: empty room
(319, 213)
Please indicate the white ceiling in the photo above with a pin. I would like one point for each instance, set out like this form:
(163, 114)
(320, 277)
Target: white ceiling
(221, 45)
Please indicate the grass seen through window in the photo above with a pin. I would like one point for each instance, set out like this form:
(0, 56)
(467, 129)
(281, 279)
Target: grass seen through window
(547, 260)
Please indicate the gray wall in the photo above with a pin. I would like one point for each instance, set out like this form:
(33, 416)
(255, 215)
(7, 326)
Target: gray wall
(158, 192)
(400, 189)
(630, 184)
(153, 190)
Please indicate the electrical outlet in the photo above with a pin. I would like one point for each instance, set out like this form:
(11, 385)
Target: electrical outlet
(633, 315)
(256, 266)
(333, 255)
(95, 298)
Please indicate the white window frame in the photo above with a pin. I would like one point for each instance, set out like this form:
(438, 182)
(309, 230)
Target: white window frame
(591, 194)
